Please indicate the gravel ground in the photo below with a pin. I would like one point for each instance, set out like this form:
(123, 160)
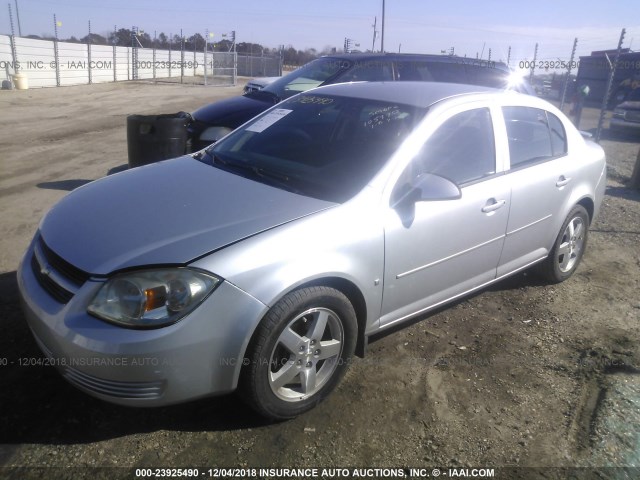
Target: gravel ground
(519, 375)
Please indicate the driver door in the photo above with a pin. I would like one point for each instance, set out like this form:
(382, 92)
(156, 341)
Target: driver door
(438, 249)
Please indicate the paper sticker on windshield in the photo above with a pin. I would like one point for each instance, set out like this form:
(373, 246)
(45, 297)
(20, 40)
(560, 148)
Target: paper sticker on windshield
(384, 115)
(269, 119)
(305, 99)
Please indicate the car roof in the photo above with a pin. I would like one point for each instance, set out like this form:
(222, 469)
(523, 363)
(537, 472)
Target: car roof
(362, 57)
(417, 94)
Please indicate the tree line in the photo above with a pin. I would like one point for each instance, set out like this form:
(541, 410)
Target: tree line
(123, 38)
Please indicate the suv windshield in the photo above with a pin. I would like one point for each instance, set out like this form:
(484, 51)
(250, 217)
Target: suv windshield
(633, 96)
(309, 76)
(326, 147)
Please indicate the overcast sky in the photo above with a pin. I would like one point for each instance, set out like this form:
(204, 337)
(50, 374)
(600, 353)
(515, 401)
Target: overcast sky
(415, 26)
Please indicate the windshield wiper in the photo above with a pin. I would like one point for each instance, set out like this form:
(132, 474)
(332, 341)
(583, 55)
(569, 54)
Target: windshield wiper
(281, 177)
(277, 179)
(273, 177)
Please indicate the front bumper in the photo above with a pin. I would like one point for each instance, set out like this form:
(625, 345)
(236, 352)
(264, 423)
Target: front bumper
(198, 356)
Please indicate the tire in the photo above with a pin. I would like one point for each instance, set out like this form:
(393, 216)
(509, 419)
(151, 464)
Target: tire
(568, 248)
(299, 352)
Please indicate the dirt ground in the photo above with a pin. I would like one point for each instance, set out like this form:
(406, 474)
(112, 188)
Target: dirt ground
(520, 375)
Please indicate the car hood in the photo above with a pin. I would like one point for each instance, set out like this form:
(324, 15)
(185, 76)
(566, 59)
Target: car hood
(263, 80)
(232, 112)
(167, 213)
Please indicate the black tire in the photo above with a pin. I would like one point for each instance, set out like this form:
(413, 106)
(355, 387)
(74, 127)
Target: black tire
(321, 327)
(567, 251)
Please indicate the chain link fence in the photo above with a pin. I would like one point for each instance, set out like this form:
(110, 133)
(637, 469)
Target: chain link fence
(47, 63)
(259, 66)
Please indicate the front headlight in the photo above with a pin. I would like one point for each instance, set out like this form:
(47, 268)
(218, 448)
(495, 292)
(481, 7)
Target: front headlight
(151, 298)
(213, 134)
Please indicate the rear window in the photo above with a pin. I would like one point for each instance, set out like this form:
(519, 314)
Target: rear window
(487, 76)
(483, 74)
(415, 70)
(368, 71)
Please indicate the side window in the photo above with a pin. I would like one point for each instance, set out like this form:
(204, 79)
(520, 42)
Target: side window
(410, 70)
(451, 72)
(531, 136)
(558, 136)
(368, 71)
(487, 76)
(462, 149)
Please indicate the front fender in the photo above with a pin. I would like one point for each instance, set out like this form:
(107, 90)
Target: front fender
(344, 242)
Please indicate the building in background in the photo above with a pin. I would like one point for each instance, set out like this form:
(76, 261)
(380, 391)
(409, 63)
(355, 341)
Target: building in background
(594, 71)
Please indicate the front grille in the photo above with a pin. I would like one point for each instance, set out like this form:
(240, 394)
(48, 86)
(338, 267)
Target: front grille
(141, 390)
(54, 274)
(72, 273)
(60, 294)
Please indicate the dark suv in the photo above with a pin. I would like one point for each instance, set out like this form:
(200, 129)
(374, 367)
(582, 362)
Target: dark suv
(626, 115)
(213, 121)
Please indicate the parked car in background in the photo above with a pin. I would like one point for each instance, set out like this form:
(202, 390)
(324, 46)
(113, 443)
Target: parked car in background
(213, 121)
(626, 115)
(264, 262)
(258, 83)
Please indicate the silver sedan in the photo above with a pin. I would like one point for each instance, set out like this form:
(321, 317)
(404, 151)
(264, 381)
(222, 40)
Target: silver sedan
(265, 262)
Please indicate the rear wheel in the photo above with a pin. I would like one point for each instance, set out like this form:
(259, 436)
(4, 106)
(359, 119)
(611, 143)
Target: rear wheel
(299, 352)
(569, 247)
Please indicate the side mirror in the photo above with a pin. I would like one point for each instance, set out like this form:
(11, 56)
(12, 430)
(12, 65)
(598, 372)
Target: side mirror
(425, 187)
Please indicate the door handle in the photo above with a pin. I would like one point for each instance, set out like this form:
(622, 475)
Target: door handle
(562, 181)
(492, 205)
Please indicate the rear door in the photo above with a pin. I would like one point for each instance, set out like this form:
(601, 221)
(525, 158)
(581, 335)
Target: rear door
(541, 177)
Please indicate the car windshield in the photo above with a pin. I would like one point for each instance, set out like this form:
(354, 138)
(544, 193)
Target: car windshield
(327, 147)
(309, 76)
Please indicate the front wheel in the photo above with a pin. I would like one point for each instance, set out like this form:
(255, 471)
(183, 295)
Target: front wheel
(299, 352)
(569, 247)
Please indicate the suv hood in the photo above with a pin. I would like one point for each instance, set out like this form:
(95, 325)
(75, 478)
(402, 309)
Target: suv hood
(167, 213)
(232, 112)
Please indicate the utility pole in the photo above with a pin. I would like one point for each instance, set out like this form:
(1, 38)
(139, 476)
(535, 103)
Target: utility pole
(373, 45)
(382, 37)
(18, 18)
